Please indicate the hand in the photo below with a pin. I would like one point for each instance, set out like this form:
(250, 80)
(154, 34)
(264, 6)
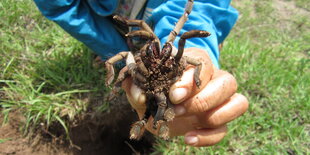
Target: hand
(201, 113)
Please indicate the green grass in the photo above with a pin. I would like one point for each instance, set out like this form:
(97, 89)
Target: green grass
(269, 57)
(48, 76)
(45, 74)
(4, 140)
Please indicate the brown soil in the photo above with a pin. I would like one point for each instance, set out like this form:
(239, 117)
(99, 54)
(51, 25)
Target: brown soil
(106, 133)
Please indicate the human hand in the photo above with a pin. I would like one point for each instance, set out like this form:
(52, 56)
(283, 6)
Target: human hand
(201, 113)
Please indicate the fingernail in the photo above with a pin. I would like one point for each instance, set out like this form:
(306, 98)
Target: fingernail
(179, 94)
(136, 93)
(142, 99)
(179, 110)
(191, 140)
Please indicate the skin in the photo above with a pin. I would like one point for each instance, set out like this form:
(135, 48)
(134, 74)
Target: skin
(201, 113)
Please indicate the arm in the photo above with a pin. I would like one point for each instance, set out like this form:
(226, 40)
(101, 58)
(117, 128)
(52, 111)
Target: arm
(216, 17)
(87, 21)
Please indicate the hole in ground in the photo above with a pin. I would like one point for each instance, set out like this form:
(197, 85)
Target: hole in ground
(106, 133)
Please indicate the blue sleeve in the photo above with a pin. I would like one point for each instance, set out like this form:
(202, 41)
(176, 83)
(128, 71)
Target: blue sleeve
(214, 16)
(86, 21)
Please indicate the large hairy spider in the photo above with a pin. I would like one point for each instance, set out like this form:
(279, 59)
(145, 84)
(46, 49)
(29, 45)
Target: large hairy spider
(154, 70)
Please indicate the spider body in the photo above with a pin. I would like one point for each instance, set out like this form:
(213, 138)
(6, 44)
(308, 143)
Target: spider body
(154, 70)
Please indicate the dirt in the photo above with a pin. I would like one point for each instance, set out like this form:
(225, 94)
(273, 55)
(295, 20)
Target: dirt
(288, 9)
(13, 141)
(105, 133)
(288, 14)
(284, 10)
(108, 132)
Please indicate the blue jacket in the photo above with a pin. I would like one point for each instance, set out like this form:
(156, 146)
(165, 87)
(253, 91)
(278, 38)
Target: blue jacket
(86, 20)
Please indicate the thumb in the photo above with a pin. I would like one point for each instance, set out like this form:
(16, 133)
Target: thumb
(135, 96)
(182, 89)
(186, 86)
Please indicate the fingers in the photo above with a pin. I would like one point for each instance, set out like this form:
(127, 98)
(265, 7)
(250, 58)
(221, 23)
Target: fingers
(214, 94)
(182, 89)
(135, 96)
(181, 125)
(230, 110)
(186, 87)
(205, 137)
(219, 116)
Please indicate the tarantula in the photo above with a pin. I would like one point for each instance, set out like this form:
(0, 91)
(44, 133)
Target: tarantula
(154, 70)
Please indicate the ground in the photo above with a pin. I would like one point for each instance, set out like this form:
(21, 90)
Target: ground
(93, 136)
(47, 81)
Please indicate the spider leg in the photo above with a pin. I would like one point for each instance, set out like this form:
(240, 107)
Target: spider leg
(120, 26)
(109, 66)
(131, 65)
(135, 23)
(198, 65)
(121, 77)
(163, 131)
(181, 21)
(141, 33)
(140, 65)
(169, 113)
(137, 76)
(162, 106)
(137, 129)
(117, 85)
(187, 35)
